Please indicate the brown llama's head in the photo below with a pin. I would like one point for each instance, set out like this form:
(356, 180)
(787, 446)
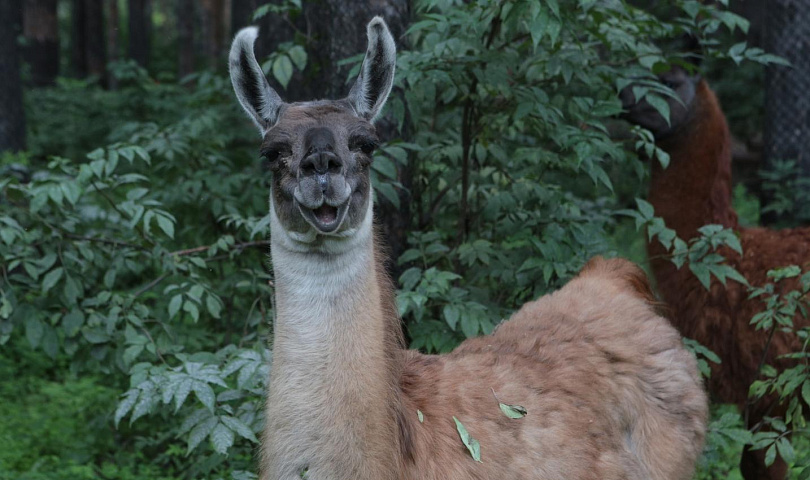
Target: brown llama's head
(319, 151)
(682, 83)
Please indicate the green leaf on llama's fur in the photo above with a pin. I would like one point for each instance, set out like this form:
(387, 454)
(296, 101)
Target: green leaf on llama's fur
(512, 411)
(472, 444)
(421, 416)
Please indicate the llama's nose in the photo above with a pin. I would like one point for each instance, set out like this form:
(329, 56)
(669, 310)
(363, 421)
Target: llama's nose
(320, 162)
(320, 157)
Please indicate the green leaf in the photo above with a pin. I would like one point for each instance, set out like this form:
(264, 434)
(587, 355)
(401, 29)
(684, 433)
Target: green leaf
(469, 325)
(299, 56)
(109, 278)
(213, 305)
(645, 208)
(34, 328)
(472, 444)
(420, 416)
(770, 455)
(50, 342)
(513, 411)
(191, 308)
(199, 433)
(240, 428)
(72, 191)
(451, 315)
(174, 305)
(182, 392)
(389, 192)
(51, 279)
(785, 450)
(283, 70)
(166, 224)
(125, 405)
(222, 438)
(660, 105)
(205, 394)
(806, 392)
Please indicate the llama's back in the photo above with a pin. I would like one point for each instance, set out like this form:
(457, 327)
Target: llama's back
(609, 389)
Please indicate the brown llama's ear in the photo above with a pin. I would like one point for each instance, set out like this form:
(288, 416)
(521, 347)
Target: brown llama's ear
(256, 96)
(371, 89)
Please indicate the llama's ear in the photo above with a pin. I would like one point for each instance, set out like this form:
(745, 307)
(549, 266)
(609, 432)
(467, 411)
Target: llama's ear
(376, 77)
(256, 96)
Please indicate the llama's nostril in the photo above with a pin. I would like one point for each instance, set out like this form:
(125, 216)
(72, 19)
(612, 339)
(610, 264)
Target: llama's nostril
(333, 165)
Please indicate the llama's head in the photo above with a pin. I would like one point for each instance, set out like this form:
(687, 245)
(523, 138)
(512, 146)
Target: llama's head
(319, 151)
(642, 113)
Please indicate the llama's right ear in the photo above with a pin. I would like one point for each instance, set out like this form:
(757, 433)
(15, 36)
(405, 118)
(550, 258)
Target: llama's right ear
(256, 96)
(370, 91)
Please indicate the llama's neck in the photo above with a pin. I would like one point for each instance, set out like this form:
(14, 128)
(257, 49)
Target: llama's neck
(695, 189)
(333, 398)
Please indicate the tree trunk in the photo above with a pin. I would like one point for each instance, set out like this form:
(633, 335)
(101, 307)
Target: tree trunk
(242, 14)
(186, 60)
(78, 51)
(212, 32)
(113, 25)
(140, 31)
(12, 115)
(787, 105)
(346, 20)
(94, 40)
(41, 30)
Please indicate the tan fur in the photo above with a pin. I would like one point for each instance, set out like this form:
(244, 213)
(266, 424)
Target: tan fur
(610, 392)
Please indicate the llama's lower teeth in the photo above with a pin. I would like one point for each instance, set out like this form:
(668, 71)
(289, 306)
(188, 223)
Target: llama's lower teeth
(326, 214)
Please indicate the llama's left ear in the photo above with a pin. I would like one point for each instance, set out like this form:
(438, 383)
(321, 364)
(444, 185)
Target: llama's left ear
(376, 77)
(257, 97)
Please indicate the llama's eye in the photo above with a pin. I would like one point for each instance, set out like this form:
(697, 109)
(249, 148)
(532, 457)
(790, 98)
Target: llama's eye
(275, 152)
(365, 145)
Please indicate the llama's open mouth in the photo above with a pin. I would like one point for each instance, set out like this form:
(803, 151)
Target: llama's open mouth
(326, 218)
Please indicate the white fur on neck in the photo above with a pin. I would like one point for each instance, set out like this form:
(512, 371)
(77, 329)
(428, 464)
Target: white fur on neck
(326, 335)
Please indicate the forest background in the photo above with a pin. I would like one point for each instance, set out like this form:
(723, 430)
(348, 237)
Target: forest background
(135, 285)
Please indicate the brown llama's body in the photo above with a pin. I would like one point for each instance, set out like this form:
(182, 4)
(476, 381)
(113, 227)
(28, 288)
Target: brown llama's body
(693, 191)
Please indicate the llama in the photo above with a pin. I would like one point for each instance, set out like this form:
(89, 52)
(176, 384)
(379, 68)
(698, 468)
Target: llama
(693, 191)
(610, 392)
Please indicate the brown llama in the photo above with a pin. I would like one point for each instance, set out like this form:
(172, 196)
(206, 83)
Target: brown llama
(693, 191)
(610, 392)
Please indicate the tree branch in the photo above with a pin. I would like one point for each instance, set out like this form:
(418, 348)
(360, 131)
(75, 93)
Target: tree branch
(238, 246)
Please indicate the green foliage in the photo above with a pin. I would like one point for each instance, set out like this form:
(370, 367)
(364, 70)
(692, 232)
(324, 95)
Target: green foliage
(785, 297)
(788, 190)
(510, 103)
(139, 261)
